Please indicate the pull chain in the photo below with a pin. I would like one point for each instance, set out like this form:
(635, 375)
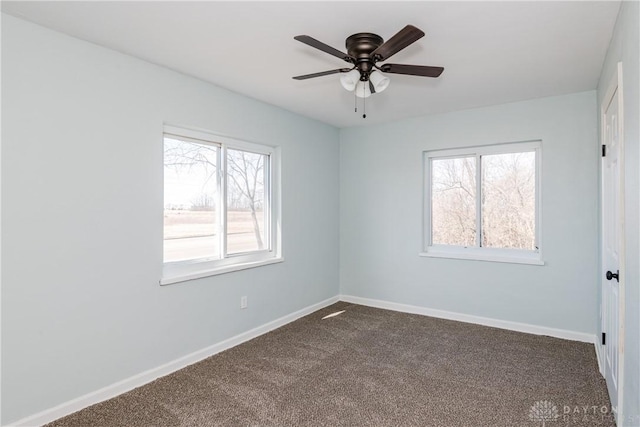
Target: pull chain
(364, 102)
(355, 102)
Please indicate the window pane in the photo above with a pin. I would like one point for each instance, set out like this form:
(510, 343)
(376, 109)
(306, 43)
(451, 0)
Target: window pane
(508, 200)
(246, 220)
(190, 201)
(453, 207)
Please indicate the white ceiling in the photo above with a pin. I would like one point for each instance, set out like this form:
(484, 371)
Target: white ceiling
(493, 52)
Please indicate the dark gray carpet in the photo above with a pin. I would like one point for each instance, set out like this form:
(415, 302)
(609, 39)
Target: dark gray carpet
(372, 367)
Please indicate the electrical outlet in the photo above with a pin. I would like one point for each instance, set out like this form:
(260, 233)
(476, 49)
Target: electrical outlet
(243, 302)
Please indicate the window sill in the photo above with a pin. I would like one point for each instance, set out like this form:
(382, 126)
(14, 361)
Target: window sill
(505, 258)
(192, 275)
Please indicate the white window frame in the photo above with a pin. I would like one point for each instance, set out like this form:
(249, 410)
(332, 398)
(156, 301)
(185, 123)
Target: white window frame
(180, 271)
(476, 252)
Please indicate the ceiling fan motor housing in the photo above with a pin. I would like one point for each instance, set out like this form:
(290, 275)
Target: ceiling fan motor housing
(360, 46)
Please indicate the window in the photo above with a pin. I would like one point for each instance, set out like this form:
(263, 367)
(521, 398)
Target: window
(220, 204)
(483, 203)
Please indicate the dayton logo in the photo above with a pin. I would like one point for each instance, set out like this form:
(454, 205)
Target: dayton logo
(543, 411)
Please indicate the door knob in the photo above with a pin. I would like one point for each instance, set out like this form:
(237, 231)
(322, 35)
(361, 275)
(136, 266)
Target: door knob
(615, 275)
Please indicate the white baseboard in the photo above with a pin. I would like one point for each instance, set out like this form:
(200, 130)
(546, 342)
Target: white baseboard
(599, 358)
(143, 378)
(486, 321)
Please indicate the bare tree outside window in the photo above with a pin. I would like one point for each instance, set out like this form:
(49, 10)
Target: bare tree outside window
(453, 201)
(245, 201)
(507, 192)
(508, 200)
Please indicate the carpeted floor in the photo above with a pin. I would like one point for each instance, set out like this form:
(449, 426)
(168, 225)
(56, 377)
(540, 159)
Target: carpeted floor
(372, 367)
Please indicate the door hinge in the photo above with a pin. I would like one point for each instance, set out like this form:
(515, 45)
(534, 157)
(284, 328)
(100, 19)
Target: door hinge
(604, 338)
(604, 150)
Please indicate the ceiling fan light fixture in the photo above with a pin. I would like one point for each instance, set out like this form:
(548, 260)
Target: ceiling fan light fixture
(350, 80)
(362, 89)
(380, 82)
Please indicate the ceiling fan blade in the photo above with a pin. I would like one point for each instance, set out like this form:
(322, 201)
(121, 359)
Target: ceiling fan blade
(412, 70)
(399, 41)
(323, 47)
(322, 73)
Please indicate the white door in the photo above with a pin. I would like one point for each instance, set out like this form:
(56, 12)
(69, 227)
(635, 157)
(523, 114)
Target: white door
(612, 243)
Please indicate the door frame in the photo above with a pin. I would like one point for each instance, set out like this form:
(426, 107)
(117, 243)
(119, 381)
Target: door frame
(614, 85)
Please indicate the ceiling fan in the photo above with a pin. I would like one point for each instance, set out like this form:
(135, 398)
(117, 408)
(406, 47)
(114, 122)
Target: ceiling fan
(364, 51)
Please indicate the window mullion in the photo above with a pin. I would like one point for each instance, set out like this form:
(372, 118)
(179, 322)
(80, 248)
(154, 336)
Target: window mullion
(478, 200)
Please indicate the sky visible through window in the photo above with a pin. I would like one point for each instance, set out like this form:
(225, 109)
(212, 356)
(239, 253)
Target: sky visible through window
(189, 173)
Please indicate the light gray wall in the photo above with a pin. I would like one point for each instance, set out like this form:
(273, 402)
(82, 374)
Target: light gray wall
(625, 47)
(82, 218)
(82, 221)
(381, 223)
